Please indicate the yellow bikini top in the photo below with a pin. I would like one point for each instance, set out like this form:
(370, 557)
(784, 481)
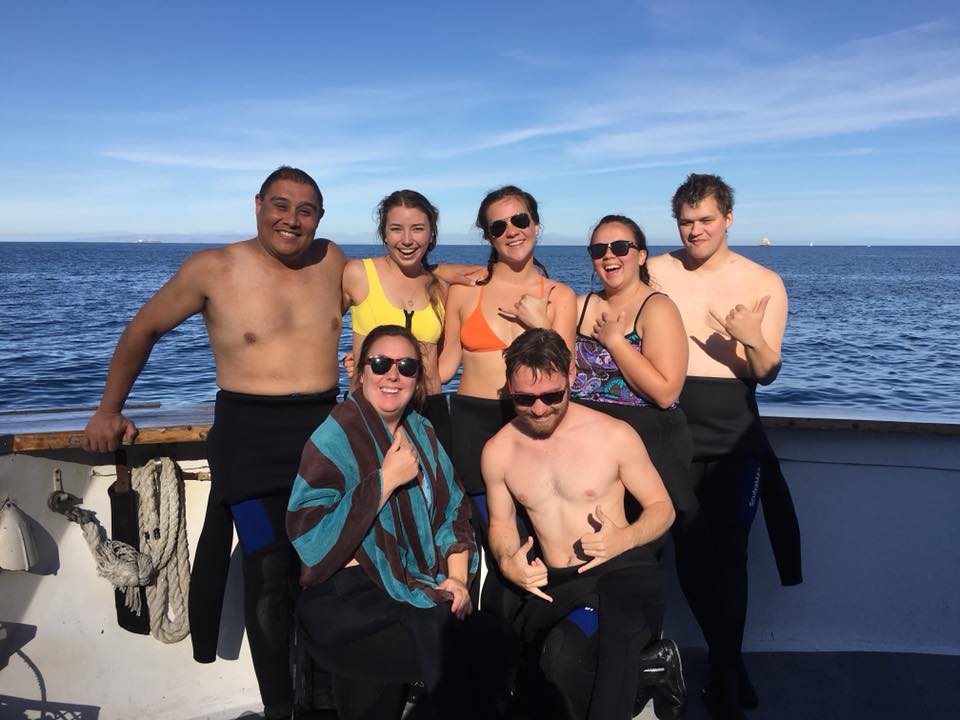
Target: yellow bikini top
(376, 310)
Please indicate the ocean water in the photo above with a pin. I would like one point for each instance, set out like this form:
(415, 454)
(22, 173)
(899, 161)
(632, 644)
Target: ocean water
(872, 331)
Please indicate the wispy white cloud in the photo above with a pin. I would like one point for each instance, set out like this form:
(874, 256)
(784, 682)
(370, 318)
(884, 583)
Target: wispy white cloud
(519, 135)
(552, 62)
(636, 110)
(550, 110)
(685, 161)
(668, 14)
(334, 159)
(333, 103)
(876, 83)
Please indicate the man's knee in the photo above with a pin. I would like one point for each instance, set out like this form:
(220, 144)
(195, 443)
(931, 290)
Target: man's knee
(568, 663)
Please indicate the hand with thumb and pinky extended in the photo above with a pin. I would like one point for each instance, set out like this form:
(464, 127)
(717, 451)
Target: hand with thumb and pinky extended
(531, 576)
(530, 310)
(743, 324)
(401, 463)
(608, 541)
(609, 330)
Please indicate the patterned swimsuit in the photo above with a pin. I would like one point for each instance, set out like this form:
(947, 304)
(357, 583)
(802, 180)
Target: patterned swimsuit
(598, 377)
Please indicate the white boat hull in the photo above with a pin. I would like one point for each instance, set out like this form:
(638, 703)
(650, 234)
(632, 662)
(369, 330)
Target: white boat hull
(881, 549)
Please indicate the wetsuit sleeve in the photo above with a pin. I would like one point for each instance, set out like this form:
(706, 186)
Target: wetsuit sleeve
(332, 506)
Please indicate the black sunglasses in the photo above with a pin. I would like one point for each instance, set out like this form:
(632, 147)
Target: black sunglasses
(498, 227)
(527, 400)
(381, 364)
(617, 247)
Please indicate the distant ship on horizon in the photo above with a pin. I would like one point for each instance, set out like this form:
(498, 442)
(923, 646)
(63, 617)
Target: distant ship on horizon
(765, 242)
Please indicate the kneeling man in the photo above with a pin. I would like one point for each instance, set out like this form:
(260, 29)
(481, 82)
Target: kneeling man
(569, 466)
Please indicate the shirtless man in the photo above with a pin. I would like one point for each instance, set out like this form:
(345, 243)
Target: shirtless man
(569, 467)
(735, 312)
(271, 306)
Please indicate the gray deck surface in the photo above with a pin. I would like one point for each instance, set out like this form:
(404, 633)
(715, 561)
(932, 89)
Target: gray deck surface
(829, 686)
(838, 686)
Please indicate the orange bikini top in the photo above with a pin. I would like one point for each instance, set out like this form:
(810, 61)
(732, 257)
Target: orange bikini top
(476, 334)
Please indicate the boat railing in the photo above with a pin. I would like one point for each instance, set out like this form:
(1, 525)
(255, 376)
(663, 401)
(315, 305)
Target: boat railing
(29, 430)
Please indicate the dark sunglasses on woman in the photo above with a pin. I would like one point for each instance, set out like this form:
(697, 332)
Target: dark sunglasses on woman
(381, 364)
(498, 227)
(617, 247)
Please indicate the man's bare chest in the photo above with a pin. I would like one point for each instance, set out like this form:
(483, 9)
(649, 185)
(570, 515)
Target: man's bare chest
(261, 308)
(701, 303)
(563, 473)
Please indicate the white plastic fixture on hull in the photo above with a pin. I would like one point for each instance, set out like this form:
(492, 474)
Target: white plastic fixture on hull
(18, 549)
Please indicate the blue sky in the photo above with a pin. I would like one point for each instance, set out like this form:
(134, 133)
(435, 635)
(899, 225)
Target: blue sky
(836, 122)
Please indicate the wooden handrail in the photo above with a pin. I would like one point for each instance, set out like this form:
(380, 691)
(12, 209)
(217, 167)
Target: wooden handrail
(71, 439)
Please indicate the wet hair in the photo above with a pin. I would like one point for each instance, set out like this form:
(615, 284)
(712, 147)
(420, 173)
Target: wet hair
(495, 196)
(285, 172)
(696, 188)
(413, 199)
(539, 349)
(638, 237)
(381, 331)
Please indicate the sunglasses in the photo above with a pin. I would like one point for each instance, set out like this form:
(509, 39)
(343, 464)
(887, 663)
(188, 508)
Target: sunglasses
(617, 247)
(498, 227)
(381, 364)
(526, 400)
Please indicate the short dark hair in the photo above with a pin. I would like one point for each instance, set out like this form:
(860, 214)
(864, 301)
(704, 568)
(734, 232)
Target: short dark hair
(541, 350)
(285, 172)
(698, 187)
(420, 390)
(638, 237)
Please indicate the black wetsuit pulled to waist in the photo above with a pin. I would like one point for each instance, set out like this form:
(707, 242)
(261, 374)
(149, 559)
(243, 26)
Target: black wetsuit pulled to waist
(255, 443)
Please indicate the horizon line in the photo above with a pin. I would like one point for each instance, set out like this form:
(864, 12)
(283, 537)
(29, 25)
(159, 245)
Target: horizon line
(479, 243)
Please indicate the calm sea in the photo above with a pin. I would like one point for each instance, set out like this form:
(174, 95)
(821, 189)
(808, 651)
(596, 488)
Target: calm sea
(872, 331)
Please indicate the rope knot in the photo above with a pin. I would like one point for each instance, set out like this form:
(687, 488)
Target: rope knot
(163, 565)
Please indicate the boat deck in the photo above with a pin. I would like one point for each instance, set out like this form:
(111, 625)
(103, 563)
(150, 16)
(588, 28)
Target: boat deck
(814, 686)
(838, 686)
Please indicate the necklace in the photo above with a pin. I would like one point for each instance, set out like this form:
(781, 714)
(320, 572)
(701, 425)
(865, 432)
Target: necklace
(406, 300)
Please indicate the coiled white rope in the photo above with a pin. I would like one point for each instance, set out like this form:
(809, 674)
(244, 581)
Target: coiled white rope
(163, 528)
(162, 565)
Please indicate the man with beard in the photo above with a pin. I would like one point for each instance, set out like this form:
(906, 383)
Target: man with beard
(569, 468)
